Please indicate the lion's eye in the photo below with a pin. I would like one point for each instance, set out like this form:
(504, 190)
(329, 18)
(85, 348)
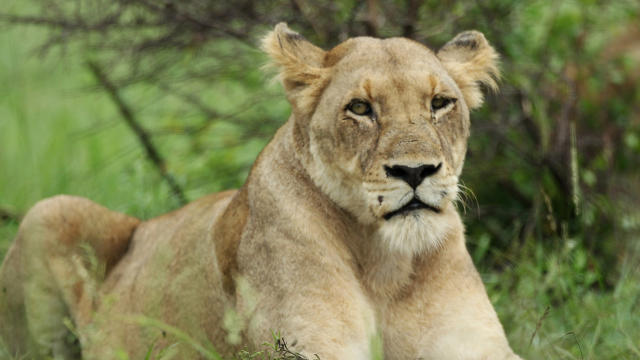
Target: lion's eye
(440, 102)
(359, 107)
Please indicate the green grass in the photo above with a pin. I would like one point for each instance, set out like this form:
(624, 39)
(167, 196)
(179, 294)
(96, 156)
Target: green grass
(57, 137)
(545, 295)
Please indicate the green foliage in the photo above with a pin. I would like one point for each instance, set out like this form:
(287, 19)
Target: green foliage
(553, 309)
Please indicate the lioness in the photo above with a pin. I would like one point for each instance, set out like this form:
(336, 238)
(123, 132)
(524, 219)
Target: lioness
(345, 229)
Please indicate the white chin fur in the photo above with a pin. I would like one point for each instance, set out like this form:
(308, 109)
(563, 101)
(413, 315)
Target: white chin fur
(415, 233)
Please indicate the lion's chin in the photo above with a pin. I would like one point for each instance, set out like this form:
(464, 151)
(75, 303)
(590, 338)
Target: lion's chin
(414, 232)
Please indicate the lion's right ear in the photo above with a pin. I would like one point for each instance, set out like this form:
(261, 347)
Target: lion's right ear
(298, 60)
(471, 62)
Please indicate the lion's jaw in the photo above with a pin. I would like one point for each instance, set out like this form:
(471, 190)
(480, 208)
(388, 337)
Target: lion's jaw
(407, 232)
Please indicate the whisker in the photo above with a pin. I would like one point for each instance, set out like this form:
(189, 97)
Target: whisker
(465, 195)
(460, 200)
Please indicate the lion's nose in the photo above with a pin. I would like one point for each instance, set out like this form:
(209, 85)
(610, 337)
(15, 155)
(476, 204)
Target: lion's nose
(412, 175)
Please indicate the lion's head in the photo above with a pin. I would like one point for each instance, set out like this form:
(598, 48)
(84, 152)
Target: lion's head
(382, 125)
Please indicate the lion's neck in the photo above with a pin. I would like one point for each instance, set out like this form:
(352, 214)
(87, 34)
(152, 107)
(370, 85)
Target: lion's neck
(384, 273)
(283, 186)
(289, 197)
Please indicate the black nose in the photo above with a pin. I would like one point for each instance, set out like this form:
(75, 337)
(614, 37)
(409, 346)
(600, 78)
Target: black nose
(412, 175)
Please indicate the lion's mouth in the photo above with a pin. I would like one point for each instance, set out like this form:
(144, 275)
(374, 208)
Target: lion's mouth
(414, 204)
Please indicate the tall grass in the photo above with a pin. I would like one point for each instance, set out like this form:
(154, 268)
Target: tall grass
(551, 310)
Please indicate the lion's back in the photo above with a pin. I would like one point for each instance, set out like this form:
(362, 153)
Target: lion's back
(169, 274)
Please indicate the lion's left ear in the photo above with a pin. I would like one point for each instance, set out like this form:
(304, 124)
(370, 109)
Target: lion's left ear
(471, 62)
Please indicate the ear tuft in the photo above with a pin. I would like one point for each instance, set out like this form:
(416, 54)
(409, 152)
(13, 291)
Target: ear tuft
(298, 60)
(471, 62)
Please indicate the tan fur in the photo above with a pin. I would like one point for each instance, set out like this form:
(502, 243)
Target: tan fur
(303, 248)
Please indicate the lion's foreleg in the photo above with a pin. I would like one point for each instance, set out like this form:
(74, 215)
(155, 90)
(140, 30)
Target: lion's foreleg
(315, 304)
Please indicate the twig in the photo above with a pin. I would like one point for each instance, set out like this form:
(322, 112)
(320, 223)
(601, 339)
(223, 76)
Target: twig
(351, 19)
(210, 113)
(143, 136)
(575, 337)
(409, 27)
(301, 8)
(539, 324)
(371, 22)
(282, 349)
(6, 215)
(206, 23)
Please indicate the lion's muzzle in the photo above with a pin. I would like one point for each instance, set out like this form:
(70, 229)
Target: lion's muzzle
(412, 175)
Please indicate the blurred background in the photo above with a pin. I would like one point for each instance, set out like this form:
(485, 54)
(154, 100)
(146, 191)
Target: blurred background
(143, 105)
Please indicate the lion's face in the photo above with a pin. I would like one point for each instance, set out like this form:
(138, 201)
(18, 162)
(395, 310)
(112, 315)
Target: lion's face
(385, 124)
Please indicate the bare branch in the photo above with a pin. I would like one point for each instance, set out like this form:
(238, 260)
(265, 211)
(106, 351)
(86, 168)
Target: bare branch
(371, 23)
(143, 136)
(409, 28)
